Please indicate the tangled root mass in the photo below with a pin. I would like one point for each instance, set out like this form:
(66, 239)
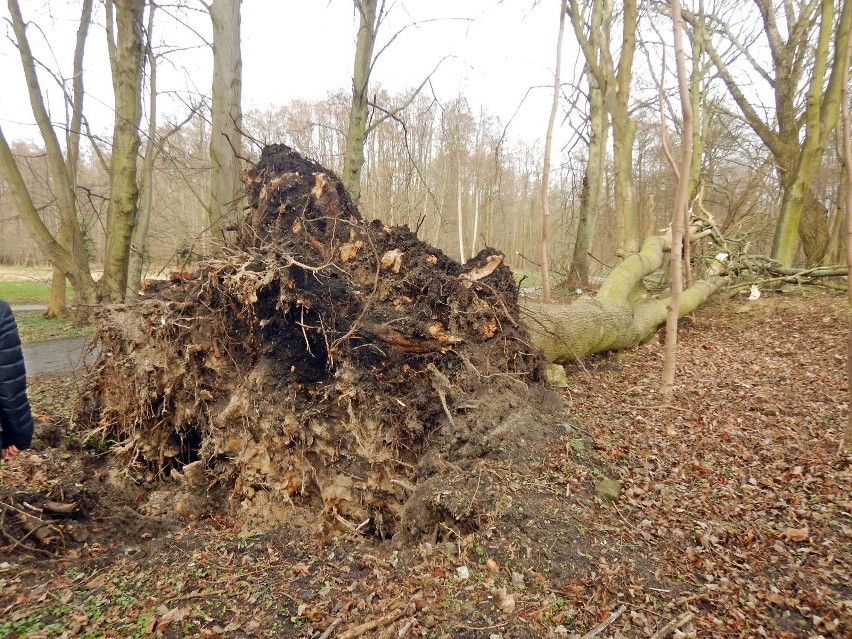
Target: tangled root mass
(320, 369)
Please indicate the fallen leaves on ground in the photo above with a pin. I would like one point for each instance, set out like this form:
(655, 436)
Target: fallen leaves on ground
(737, 489)
(732, 519)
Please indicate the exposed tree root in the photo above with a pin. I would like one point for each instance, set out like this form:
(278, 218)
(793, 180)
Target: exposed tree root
(313, 372)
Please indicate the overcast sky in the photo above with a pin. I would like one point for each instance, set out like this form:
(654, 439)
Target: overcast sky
(304, 49)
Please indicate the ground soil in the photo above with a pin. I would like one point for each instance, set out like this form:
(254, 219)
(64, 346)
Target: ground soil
(734, 515)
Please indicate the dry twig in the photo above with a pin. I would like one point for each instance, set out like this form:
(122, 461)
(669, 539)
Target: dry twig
(379, 622)
(670, 626)
(594, 632)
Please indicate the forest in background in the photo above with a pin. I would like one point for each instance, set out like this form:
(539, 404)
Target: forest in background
(420, 173)
(461, 178)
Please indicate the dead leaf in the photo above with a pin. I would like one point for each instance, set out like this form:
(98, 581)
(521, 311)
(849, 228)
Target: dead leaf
(392, 260)
(95, 582)
(775, 598)
(350, 250)
(480, 272)
(503, 600)
(489, 327)
(797, 534)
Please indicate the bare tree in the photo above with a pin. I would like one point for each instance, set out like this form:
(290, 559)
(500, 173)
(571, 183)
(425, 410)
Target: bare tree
(225, 115)
(140, 231)
(357, 132)
(371, 14)
(578, 274)
(809, 37)
(57, 303)
(679, 212)
(66, 251)
(615, 78)
(545, 172)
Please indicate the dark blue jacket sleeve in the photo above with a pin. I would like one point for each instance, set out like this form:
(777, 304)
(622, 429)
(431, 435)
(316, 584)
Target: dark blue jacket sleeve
(15, 415)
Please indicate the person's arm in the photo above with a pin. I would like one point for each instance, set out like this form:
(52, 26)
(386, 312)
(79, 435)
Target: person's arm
(15, 414)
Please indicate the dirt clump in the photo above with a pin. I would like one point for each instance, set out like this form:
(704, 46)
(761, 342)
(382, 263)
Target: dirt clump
(322, 370)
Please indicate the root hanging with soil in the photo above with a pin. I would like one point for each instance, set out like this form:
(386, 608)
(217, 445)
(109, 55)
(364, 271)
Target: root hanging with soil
(317, 368)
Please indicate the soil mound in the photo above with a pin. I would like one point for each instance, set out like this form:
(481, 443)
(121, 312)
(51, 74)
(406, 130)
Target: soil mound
(322, 370)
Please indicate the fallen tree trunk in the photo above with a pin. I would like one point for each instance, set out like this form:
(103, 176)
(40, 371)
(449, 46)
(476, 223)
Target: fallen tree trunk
(619, 316)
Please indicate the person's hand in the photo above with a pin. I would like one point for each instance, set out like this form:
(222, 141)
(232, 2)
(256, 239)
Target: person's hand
(9, 453)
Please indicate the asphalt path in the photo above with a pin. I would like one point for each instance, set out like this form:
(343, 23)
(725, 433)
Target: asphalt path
(55, 355)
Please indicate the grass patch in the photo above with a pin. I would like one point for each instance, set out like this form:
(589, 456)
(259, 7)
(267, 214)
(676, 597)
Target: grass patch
(527, 279)
(26, 292)
(34, 327)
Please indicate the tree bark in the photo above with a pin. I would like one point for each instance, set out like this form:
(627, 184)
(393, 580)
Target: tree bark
(619, 316)
(846, 135)
(124, 38)
(592, 182)
(813, 229)
(684, 175)
(226, 117)
(356, 134)
(545, 171)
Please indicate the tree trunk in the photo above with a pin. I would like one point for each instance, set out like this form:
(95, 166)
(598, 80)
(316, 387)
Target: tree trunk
(473, 240)
(813, 229)
(629, 227)
(545, 171)
(619, 316)
(846, 135)
(592, 182)
(353, 162)
(459, 210)
(140, 231)
(68, 254)
(679, 213)
(226, 117)
(126, 60)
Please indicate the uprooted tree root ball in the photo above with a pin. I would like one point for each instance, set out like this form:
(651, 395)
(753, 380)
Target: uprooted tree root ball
(322, 370)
